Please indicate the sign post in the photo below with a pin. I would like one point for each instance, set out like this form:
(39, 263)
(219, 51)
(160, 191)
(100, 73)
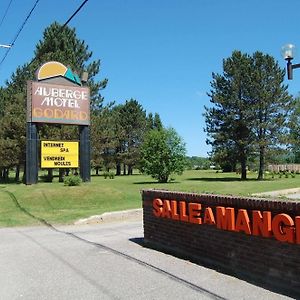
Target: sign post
(31, 153)
(57, 97)
(84, 133)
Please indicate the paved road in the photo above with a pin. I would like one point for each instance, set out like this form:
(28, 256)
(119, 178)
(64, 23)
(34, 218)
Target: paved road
(105, 261)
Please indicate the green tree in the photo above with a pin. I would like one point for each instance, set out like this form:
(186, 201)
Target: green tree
(250, 108)
(131, 125)
(162, 154)
(229, 120)
(271, 104)
(198, 163)
(294, 131)
(117, 134)
(154, 122)
(12, 131)
(60, 43)
(104, 139)
(226, 156)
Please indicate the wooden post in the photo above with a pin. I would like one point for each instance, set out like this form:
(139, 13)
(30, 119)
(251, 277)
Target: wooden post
(31, 153)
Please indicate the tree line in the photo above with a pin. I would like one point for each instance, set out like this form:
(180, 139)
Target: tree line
(58, 44)
(252, 117)
(117, 131)
(117, 134)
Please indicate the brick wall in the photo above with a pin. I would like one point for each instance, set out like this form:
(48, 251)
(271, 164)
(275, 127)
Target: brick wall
(263, 261)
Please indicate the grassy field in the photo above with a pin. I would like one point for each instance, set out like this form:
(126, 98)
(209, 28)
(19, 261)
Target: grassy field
(56, 203)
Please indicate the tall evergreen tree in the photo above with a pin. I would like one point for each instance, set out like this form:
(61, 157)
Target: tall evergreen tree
(250, 107)
(228, 121)
(154, 122)
(13, 122)
(104, 139)
(12, 134)
(132, 122)
(61, 43)
(271, 103)
(294, 131)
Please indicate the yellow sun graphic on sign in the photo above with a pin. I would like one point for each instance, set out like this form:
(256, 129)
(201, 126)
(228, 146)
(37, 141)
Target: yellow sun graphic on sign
(53, 69)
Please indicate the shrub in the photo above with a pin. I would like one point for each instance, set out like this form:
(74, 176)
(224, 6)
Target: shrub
(72, 180)
(110, 175)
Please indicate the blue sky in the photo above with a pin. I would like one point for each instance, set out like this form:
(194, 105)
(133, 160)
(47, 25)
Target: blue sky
(160, 52)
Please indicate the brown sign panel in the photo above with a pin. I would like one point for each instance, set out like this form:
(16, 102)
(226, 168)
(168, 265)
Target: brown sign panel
(58, 104)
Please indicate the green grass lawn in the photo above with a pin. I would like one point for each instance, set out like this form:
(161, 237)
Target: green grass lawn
(57, 203)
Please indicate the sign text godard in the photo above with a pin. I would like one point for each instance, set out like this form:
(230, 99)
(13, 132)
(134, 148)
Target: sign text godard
(281, 226)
